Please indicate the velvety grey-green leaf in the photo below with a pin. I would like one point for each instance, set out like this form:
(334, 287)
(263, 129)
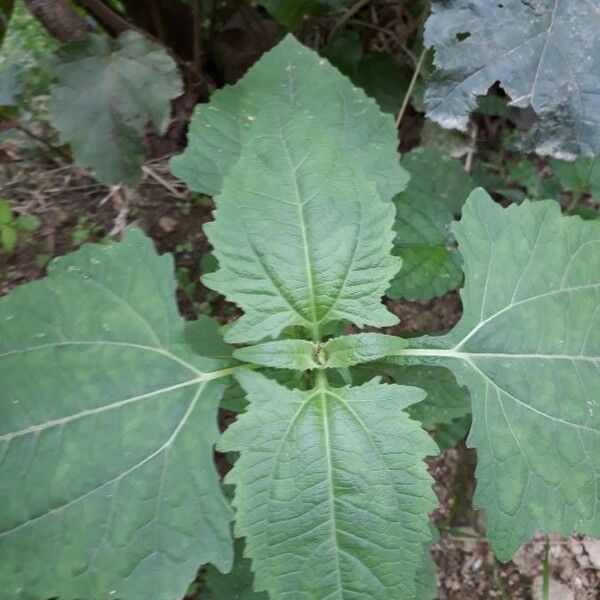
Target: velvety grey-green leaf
(297, 76)
(105, 94)
(342, 351)
(107, 426)
(545, 55)
(332, 493)
(301, 236)
(434, 197)
(292, 13)
(235, 585)
(445, 400)
(528, 348)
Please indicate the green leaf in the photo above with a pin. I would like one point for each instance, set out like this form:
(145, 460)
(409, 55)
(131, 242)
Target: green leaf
(6, 213)
(426, 579)
(106, 92)
(585, 212)
(8, 235)
(579, 177)
(338, 352)
(528, 349)
(27, 222)
(445, 400)
(351, 350)
(309, 465)
(527, 174)
(235, 585)
(379, 75)
(292, 13)
(344, 51)
(107, 426)
(302, 237)
(300, 355)
(292, 74)
(204, 337)
(6, 10)
(434, 197)
(448, 435)
(545, 55)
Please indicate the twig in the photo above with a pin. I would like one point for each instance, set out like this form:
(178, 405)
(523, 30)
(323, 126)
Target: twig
(38, 138)
(347, 16)
(472, 148)
(151, 173)
(411, 88)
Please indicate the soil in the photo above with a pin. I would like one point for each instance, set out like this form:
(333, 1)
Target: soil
(71, 207)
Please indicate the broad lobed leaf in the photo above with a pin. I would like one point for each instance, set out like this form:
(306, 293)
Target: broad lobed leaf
(323, 253)
(433, 199)
(107, 426)
(545, 55)
(332, 492)
(128, 83)
(291, 74)
(528, 348)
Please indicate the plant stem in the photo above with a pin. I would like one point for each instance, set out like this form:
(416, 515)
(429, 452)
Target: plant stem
(576, 200)
(546, 572)
(411, 88)
(197, 33)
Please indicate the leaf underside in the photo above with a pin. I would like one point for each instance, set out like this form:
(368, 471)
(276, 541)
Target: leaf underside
(128, 83)
(323, 253)
(332, 492)
(545, 54)
(528, 348)
(107, 424)
(425, 210)
(290, 74)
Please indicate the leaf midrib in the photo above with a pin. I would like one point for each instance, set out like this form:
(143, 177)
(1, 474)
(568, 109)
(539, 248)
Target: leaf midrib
(36, 429)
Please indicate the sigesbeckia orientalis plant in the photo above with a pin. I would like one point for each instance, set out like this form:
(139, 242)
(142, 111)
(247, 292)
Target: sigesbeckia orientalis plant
(109, 398)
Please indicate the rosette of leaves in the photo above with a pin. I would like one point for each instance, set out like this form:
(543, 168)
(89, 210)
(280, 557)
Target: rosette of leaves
(109, 399)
